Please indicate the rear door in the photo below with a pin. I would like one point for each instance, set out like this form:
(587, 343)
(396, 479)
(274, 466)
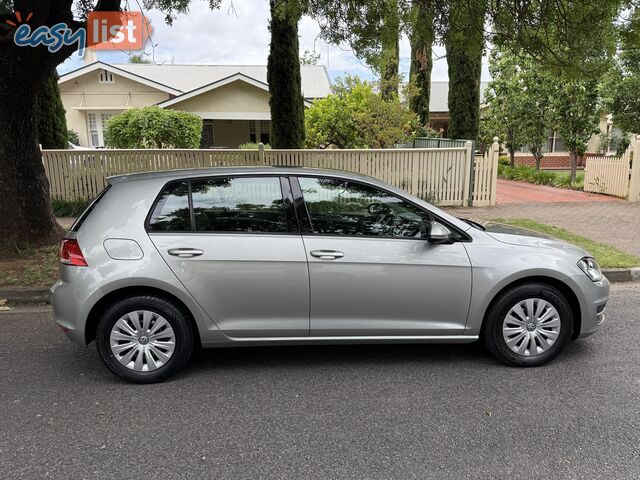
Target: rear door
(234, 243)
(371, 271)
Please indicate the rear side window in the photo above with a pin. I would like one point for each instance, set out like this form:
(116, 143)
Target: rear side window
(84, 215)
(245, 204)
(171, 213)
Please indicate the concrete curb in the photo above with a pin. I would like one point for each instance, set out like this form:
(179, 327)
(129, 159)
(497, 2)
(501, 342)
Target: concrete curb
(622, 274)
(38, 295)
(18, 295)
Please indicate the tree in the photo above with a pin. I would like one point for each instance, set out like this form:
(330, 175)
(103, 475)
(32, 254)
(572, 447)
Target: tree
(153, 127)
(621, 85)
(355, 116)
(25, 204)
(575, 116)
(309, 58)
(138, 58)
(421, 37)
(283, 76)
(52, 123)
(372, 30)
(464, 44)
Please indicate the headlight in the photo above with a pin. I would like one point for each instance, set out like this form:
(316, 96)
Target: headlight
(591, 268)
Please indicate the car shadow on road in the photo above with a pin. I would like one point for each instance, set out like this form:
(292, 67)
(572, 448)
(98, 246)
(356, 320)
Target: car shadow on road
(338, 355)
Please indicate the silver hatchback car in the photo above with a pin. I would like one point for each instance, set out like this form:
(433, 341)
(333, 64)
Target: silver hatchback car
(224, 257)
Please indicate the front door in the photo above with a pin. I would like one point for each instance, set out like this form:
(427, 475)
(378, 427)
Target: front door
(371, 272)
(233, 243)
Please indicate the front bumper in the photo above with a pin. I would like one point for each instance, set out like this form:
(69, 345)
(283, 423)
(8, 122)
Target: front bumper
(593, 301)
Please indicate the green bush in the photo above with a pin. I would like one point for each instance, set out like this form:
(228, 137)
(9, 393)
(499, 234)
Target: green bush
(68, 208)
(506, 161)
(74, 137)
(525, 173)
(253, 146)
(153, 127)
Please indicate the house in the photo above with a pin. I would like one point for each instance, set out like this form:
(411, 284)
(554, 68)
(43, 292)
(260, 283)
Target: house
(233, 100)
(439, 104)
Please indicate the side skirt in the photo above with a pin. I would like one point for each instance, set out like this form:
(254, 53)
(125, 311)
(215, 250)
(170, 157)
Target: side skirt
(237, 342)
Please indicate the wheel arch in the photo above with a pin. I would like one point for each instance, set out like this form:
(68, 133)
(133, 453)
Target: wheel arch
(563, 287)
(133, 291)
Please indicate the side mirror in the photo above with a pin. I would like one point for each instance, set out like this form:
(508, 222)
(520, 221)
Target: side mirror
(438, 233)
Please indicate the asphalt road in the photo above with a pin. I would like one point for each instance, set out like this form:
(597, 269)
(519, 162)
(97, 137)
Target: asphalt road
(324, 412)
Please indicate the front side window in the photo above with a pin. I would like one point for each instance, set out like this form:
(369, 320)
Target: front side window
(340, 207)
(171, 213)
(239, 205)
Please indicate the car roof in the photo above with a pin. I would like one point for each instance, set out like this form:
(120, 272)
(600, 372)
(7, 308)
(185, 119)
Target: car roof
(169, 175)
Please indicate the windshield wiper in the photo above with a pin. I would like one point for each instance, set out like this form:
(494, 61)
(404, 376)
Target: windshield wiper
(477, 225)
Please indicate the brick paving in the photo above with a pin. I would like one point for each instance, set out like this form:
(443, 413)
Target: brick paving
(508, 191)
(616, 223)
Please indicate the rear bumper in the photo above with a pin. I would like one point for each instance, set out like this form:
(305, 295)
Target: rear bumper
(592, 304)
(70, 297)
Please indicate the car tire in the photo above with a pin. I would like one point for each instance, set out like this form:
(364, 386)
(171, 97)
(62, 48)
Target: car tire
(154, 327)
(510, 321)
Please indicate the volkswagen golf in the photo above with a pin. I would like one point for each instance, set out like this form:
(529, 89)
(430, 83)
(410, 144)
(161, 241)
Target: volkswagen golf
(161, 262)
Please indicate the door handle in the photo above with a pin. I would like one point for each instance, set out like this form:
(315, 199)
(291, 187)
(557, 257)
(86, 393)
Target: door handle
(185, 252)
(326, 254)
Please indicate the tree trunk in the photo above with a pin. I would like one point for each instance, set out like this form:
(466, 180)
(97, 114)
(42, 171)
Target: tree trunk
(390, 56)
(512, 156)
(464, 44)
(25, 203)
(574, 166)
(422, 39)
(283, 76)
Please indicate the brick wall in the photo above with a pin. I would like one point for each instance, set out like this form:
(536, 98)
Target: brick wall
(549, 161)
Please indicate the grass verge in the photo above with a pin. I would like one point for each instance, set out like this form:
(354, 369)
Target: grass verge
(606, 255)
(33, 267)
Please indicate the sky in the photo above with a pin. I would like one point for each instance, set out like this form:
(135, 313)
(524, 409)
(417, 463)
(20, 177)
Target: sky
(239, 35)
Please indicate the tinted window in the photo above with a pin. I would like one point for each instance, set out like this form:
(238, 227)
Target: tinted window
(172, 210)
(239, 205)
(339, 207)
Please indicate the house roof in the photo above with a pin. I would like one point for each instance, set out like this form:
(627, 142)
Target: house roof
(217, 84)
(315, 79)
(439, 100)
(118, 71)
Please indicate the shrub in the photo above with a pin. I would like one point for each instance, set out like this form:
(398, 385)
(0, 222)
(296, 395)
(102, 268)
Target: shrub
(525, 173)
(253, 146)
(153, 127)
(68, 208)
(356, 116)
(504, 161)
(74, 137)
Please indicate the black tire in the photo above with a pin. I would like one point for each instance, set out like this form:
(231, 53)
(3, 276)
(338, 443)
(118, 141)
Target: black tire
(184, 337)
(492, 331)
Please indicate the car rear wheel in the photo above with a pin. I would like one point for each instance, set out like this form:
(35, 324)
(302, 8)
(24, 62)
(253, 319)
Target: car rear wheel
(144, 339)
(528, 325)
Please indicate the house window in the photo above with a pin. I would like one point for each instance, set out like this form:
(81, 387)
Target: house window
(252, 132)
(106, 77)
(553, 144)
(265, 131)
(95, 125)
(260, 131)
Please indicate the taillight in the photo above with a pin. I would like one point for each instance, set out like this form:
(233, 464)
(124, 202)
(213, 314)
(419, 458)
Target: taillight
(70, 253)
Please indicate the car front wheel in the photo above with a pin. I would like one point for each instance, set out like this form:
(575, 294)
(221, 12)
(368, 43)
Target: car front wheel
(529, 325)
(144, 339)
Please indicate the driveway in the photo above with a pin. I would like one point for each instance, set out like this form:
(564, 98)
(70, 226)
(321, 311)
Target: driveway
(616, 223)
(509, 191)
(375, 412)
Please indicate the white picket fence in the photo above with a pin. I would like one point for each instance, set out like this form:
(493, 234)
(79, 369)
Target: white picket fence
(440, 175)
(618, 176)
